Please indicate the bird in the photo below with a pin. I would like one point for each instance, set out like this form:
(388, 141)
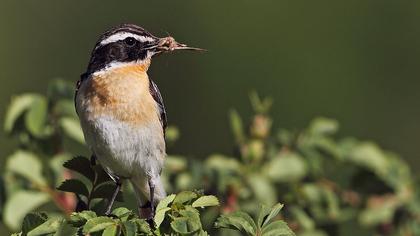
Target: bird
(122, 114)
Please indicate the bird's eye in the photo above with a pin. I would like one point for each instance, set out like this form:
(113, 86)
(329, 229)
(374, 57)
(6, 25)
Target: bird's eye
(130, 41)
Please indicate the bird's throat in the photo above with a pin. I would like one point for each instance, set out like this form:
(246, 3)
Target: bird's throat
(122, 93)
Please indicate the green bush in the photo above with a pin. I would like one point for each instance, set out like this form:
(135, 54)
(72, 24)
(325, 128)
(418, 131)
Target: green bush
(47, 129)
(175, 215)
(328, 184)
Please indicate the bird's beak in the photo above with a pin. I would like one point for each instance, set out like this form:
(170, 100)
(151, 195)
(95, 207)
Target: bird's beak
(168, 44)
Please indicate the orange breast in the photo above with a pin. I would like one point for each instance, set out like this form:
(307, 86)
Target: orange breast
(122, 93)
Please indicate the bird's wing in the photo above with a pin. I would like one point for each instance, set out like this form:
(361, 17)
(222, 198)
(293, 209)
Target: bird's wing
(154, 91)
(78, 83)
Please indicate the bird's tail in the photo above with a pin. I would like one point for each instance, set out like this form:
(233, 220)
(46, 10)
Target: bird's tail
(142, 191)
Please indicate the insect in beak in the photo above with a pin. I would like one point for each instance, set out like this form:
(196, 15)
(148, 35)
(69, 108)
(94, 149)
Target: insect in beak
(168, 44)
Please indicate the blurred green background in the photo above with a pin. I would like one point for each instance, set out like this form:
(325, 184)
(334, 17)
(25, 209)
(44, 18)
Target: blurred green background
(356, 61)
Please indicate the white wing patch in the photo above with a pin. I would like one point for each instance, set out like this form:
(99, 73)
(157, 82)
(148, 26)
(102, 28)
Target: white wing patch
(121, 36)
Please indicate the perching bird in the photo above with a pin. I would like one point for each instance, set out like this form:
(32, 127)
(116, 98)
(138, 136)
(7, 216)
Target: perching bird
(122, 113)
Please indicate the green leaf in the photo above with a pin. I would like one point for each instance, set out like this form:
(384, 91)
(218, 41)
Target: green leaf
(223, 163)
(26, 164)
(286, 137)
(129, 228)
(122, 213)
(86, 214)
(74, 186)
(180, 225)
(112, 230)
(33, 220)
(171, 134)
(65, 107)
(206, 201)
(370, 156)
(60, 88)
(313, 233)
(277, 228)
(188, 223)
(97, 224)
(56, 165)
(106, 190)
(333, 203)
(78, 219)
(312, 193)
(260, 106)
(50, 226)
(190, 212)
(286, 167)
(323, 126)
(185, 225)
(142, 226)
(71, 127)
(237, 126)
(19, 204)
(160, 215)
(303, 219)
(381, 212)
(16, 108)
(165, 202)
(202, 233)
(183, 180)
(65, 229)
(36, 117)
(175, 164)
(262, 188)
(273, 213)
(82, 166)
(184, 196)
(262, 214)
(398, 174)
(237, 220)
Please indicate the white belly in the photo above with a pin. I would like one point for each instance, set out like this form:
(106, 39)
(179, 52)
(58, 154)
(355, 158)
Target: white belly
(127, 151)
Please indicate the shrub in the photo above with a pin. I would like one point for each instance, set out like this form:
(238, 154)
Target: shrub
(46, 128)
(328, 184)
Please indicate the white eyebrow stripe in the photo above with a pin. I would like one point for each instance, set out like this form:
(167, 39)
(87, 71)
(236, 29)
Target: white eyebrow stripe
(121, 36)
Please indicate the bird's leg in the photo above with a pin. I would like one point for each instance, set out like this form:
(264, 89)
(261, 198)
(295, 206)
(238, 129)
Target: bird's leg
(114, 195)
(152, 197)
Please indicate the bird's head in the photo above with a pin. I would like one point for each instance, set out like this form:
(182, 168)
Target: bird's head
(129, 44)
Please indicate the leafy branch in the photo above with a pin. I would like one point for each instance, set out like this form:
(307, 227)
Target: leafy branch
(328, 183)
(177, 214)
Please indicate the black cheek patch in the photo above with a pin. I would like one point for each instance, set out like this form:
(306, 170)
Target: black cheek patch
(103, 55)
(115, 52)
(135, 53)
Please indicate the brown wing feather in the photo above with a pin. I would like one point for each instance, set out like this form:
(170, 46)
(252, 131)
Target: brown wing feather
(78, 83)
(154, 91)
